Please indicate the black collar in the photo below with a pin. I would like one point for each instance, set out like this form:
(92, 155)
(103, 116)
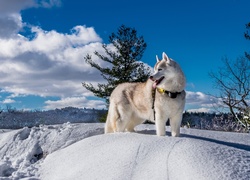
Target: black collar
(172, 95)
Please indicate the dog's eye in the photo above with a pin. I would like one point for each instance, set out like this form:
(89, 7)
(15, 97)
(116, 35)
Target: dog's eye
(159, 69)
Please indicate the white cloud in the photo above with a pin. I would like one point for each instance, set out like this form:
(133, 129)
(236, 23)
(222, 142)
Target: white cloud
(8, 101)
(206, 110)
(48, 64)
(10, 17)
(10, 24)
(198, 99)
(51, 64)
(15, 6)
(48, 3)
(79, 102)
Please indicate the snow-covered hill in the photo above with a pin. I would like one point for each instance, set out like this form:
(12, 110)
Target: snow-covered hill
(82, 151)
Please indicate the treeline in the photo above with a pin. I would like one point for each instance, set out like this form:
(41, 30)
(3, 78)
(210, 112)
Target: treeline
(10, 118)
(212, 121)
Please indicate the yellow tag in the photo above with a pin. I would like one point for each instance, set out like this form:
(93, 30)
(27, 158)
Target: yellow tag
(160, 90)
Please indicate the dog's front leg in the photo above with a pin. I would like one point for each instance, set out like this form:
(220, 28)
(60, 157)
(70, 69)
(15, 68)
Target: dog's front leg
(160, 124)
(175, 123)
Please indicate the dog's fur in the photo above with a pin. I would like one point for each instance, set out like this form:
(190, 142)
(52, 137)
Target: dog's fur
(131, 103)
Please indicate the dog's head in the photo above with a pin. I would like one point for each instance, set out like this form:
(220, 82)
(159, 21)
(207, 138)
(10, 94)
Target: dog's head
(167, 73)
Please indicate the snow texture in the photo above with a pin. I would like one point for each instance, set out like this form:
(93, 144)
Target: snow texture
(82, 151)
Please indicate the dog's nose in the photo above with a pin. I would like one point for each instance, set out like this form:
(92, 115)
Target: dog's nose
(151, 77)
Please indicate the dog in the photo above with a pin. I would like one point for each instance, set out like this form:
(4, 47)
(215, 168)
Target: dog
(159, 99)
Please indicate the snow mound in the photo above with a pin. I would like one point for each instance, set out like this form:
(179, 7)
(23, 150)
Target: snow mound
(81, 151)
(139, 156)
(20, 150)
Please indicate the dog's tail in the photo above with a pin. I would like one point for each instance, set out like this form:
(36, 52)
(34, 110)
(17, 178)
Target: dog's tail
(111, 120)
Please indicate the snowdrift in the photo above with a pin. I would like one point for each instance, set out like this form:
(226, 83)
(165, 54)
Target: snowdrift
(82, 151)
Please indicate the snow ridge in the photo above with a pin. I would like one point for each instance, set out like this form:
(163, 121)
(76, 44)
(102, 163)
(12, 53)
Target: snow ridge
(82, 151)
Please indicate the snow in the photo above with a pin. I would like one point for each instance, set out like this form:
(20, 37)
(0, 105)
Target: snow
(81, 151)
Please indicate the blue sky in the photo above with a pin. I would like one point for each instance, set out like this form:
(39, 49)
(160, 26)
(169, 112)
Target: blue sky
(44, 41)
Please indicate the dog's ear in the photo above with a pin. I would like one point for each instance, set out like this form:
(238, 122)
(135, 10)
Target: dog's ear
(157, 59)
(166, 58)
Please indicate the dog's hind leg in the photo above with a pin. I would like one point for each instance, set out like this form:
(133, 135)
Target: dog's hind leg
(131, 126)
(134, 121)
(124, 119)
(108, 126)
(111, 120)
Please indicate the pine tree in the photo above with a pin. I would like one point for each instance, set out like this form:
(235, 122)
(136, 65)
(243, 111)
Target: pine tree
(124, 60)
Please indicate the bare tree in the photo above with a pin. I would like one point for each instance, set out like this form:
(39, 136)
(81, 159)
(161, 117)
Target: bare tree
(233, 81)
(247, 36)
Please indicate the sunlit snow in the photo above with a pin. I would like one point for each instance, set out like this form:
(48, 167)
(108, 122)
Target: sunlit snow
(81, 151)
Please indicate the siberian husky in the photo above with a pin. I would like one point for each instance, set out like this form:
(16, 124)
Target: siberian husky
(159, 99)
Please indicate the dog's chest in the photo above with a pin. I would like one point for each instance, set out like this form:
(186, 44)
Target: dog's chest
(167, 104)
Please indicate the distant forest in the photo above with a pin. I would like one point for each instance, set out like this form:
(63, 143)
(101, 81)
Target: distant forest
(11, 118)
(14, 119)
